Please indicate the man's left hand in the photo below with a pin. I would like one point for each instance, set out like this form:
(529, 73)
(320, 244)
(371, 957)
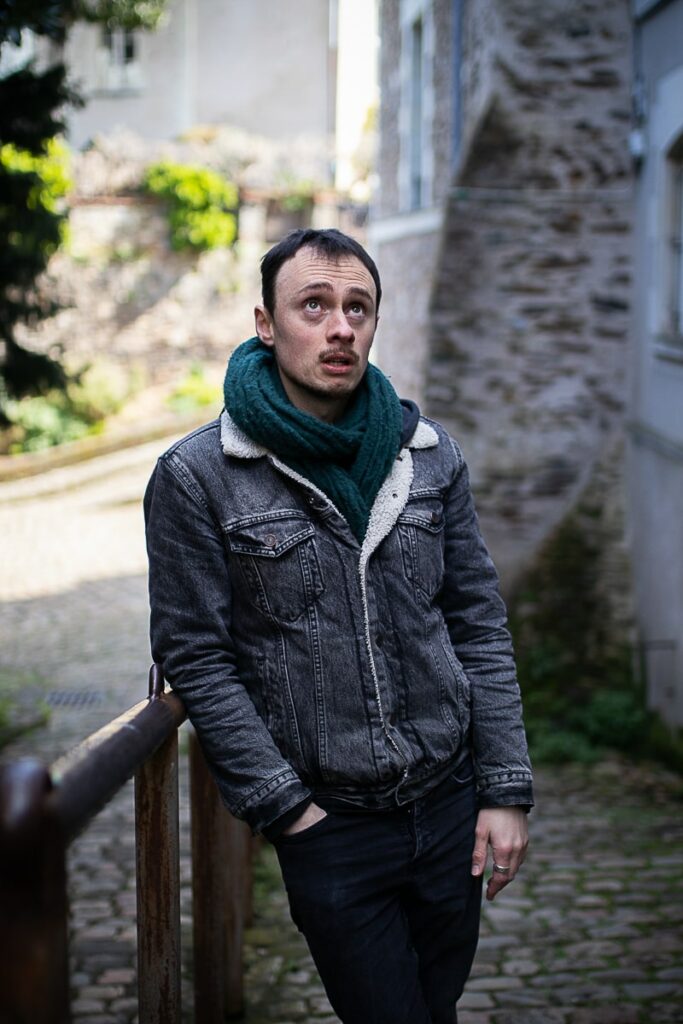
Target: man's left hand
(505, 830)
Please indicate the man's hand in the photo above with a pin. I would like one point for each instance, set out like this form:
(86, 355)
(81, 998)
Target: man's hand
(505, 830)
(312, 814)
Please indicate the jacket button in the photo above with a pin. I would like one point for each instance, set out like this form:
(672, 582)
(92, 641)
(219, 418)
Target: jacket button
(436, 517)
(270, 540)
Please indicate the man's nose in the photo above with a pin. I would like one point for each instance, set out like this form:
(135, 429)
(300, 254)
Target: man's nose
(338, 327)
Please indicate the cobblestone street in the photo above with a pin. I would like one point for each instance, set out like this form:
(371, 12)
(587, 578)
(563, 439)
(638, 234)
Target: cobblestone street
(590, 933)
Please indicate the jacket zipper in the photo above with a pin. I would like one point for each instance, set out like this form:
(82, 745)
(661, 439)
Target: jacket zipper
(287, 471)
(373, 667)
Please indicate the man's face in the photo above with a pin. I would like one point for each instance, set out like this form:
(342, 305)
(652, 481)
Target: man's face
(321, 331)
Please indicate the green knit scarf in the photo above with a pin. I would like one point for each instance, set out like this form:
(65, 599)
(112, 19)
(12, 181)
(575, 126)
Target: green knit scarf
(347, 460)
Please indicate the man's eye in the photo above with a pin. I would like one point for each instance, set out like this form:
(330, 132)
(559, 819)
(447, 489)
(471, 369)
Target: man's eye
(313, 304)
(357, 308)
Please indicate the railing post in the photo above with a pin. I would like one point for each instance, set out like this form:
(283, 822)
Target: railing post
(221, 858)
(34, 978)
(158, 886)
(238, 848)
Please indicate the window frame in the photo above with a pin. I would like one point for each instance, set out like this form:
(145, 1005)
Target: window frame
(119, 68)
(416, 159)
(669, 338)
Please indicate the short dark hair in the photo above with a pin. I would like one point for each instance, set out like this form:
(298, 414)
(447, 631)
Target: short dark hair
(328, 242)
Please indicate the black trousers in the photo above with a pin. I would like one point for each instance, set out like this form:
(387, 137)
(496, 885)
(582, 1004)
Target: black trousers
(389, 907)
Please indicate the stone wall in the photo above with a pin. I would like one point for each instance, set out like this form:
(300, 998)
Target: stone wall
(530, 309)
(126, 298)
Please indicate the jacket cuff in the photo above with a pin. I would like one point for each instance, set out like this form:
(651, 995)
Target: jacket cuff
(277, 827)
(510, 790)
(272, 800)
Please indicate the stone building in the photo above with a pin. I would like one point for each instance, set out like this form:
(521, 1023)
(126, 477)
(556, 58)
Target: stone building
(656, 413)
(503, 229)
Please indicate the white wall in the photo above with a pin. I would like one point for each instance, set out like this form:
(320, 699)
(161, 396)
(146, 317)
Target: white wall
(263, 65)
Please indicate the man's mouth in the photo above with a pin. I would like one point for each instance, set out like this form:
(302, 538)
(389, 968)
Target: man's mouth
(339, 359)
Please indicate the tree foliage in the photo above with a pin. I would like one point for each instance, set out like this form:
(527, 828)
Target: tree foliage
(33, 104)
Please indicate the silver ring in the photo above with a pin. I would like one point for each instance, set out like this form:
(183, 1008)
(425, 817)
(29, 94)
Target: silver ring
(501, 869)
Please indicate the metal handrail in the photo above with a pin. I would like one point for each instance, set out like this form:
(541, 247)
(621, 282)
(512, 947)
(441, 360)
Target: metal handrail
(88, 777)
(43, 809)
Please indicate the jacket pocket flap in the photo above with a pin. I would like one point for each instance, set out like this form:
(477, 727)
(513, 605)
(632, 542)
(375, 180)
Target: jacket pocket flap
(427, 516)
(270, 538)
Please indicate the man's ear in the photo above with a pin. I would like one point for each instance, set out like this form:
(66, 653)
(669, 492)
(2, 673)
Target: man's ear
(264, 325)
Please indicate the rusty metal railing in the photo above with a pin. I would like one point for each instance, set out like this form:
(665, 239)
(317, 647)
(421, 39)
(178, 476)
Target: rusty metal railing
(43, 809)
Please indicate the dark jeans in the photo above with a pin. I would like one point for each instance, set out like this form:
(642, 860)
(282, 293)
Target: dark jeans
(389, 907)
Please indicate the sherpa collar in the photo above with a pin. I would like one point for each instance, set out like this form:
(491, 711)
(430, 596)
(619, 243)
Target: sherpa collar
(236, 443)
(391, 497)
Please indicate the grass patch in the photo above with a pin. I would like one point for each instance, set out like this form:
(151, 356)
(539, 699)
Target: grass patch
(22, 705)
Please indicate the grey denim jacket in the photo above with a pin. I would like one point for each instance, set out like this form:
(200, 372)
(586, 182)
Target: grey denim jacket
(313, 665)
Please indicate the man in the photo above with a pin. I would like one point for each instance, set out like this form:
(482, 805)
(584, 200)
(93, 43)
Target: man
(324, 604)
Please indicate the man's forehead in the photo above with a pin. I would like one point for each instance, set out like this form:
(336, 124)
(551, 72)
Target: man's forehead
(308, 265)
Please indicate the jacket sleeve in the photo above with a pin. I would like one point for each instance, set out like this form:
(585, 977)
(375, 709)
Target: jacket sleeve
(477, 624)
(190, 601)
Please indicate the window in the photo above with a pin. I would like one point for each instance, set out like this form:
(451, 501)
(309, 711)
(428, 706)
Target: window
(675, 246)
(119, 67)
(416, 114)
(416, 104)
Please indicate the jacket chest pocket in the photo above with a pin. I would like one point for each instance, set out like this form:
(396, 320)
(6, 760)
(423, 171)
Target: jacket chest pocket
(421, 533)
(279, 565)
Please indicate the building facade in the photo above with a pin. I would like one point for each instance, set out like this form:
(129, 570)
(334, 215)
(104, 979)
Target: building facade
(504, 237)
(656, 411)
(530, 155)
(266, 67)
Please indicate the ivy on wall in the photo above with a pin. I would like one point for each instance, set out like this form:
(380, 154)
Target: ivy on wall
(202, 205)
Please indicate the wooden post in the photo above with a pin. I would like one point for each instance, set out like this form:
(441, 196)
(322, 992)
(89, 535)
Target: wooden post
(34, 971)
(238, 846)
(221, 847)
(158, 886)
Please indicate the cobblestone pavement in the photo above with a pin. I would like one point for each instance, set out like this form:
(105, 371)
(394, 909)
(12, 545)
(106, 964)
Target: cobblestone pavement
(590, 933)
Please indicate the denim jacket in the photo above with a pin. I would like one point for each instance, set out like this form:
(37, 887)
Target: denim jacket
(313, 665)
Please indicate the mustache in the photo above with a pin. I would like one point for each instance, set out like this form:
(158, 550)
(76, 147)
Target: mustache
(349, 357)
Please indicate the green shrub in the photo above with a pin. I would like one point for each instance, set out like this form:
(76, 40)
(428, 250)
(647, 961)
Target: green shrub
(549, 744)
(100, 390)
(580, 695)
(43, 422)
(57, 417)
(615, 718)
(201, 205)
(194, 392)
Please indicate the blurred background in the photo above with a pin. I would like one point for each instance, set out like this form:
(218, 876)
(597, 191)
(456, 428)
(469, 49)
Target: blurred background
(517, 172)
